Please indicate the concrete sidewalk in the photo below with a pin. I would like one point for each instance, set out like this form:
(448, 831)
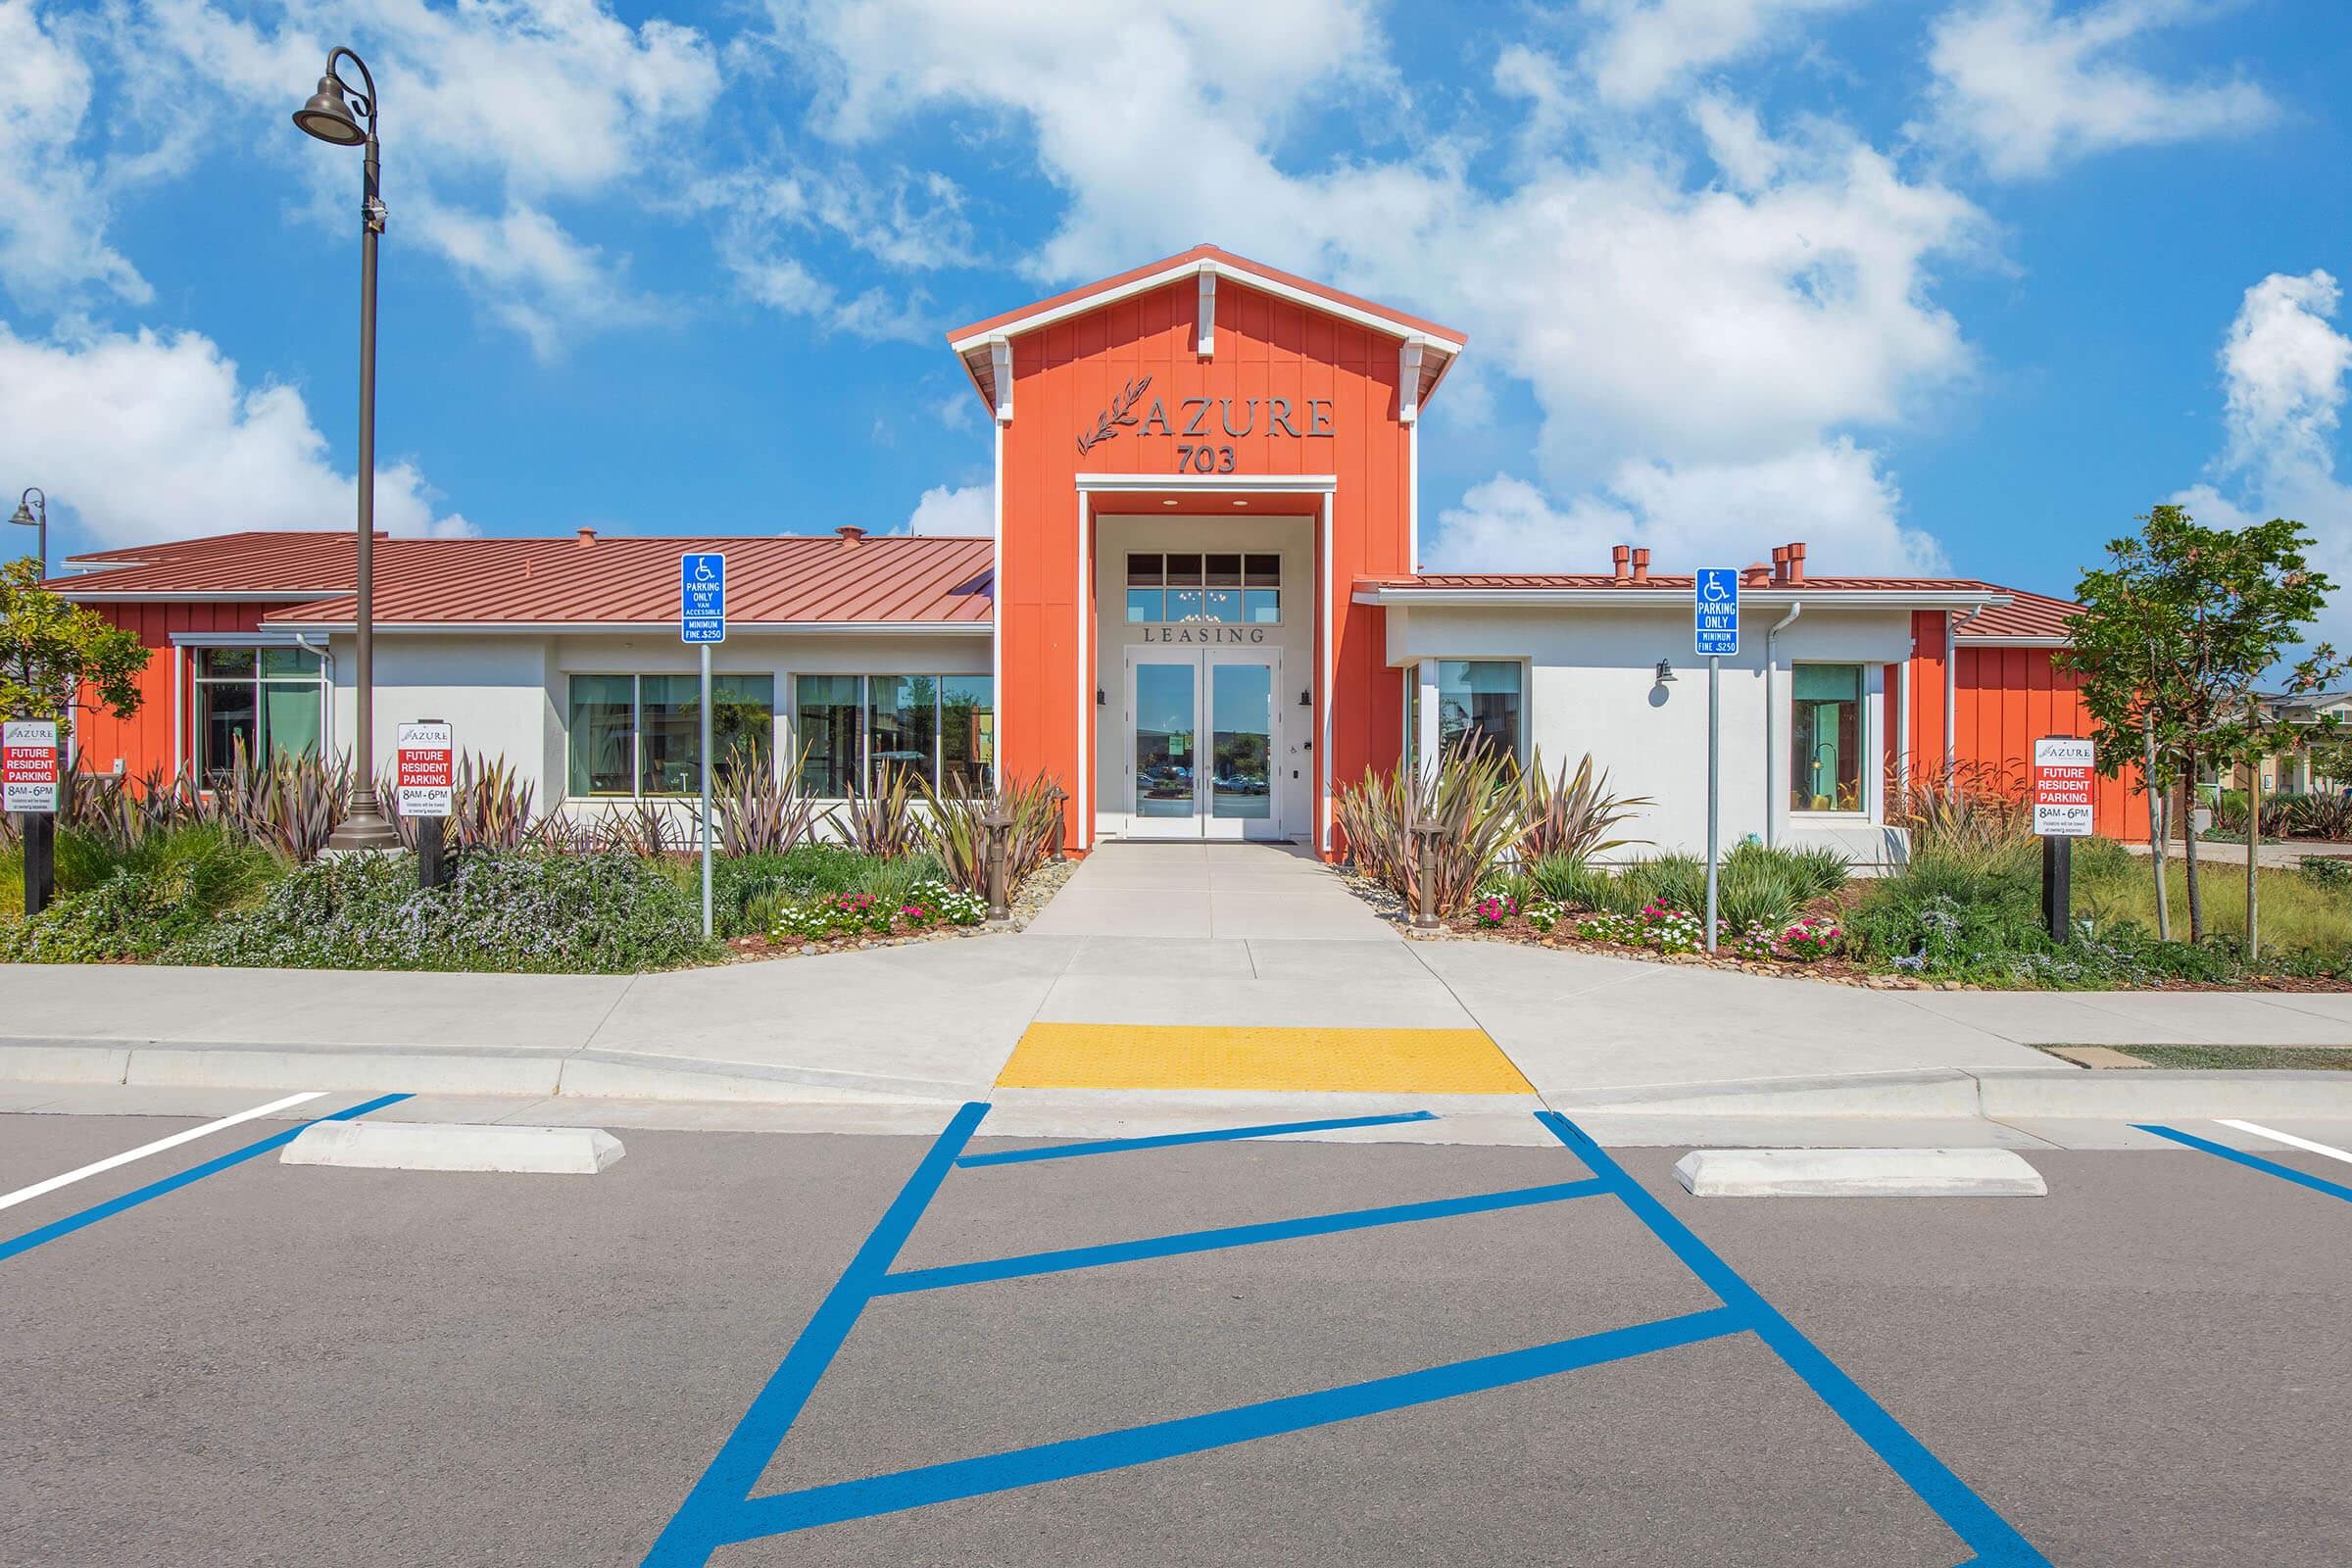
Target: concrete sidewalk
(930, 1023)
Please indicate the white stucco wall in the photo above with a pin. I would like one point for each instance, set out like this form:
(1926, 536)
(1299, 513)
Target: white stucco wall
(1591, 686)
(509, 694)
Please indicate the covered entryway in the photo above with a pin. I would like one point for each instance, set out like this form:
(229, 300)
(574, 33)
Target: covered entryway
(1203, 733)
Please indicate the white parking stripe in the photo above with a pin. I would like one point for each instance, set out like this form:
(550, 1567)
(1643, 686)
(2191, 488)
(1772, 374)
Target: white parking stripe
(22, 1193)
(2260, 1131)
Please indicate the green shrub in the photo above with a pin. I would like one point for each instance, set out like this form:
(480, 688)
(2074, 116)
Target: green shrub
(2327, 870)
(1567, 881)
(523, 912)
(128, 915)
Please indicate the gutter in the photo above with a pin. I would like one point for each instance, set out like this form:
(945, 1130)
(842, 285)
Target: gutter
(1772, 815)
(1951, 700)
(1676, 598)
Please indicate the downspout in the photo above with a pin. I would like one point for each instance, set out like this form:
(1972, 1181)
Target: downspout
(1772, 815)
(326, 661)
(1951, 700)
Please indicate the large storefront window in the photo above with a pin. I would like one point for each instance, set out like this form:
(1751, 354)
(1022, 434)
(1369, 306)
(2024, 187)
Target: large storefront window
(1220, 589)
(1824, 760)
(1479, 700)
(938, 728)
(643, 734)
(268, 700)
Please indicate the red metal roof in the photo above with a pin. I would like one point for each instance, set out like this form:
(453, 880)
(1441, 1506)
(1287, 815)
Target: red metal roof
(1685, 583)
(2026, 614)
(892, 580)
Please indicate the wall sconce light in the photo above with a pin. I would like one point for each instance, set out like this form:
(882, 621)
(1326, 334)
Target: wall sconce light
(1306, 699)
(1099, 700)
(1665, 675)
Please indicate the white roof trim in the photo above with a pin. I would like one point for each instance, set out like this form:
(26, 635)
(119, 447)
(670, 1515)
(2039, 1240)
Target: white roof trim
(1213, 483)
(1387, 324)
(1674, 598)
(1000, 360)
(1967, 641)
(667, 627)
(1208, 313)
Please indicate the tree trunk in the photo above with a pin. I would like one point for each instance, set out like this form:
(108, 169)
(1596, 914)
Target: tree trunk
(2156, 834)
(2188, 847)
(2253, 847)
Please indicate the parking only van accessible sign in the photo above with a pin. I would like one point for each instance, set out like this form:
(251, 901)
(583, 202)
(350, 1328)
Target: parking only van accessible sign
(1715, 612)
(2062, 769)
(28, 765)
(703, 597)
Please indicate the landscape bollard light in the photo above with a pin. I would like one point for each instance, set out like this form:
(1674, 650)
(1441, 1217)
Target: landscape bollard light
(997, 823)
(1059, 795)
(1424, 845)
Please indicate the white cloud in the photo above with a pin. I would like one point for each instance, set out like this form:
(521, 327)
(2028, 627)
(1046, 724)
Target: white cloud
(54, 201)
(157, 437)
(2284, 368)
(2027, 89)
(1642, 49)
(968, 510)
(1832, 496)
(494, 111)
(910, 223)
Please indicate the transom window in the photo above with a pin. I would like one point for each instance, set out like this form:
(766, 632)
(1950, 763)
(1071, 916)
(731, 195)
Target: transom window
(269, 701)
(1223, 589)
(940, 728)
(1825, 738)
(643, 734)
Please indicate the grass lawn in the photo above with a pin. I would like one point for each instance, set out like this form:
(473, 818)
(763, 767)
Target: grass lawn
(2295, 912)
(2240, 1059)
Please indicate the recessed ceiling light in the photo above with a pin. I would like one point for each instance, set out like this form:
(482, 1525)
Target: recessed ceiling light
(1167, 503)
(1241, 502)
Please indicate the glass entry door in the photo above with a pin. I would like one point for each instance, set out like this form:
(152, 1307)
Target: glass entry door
(1202, 744)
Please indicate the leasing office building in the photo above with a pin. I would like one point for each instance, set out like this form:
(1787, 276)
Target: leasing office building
(1200, 609)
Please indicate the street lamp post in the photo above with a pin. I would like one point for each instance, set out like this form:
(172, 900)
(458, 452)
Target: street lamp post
(329, 117)
(32, 511)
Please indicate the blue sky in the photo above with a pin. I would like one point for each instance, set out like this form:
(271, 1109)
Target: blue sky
(1955, 286)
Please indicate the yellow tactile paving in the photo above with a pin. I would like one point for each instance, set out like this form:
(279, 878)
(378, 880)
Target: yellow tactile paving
(1117, 1055)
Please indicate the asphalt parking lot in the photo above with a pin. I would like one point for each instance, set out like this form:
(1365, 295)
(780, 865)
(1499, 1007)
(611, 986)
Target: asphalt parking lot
(278, 1365)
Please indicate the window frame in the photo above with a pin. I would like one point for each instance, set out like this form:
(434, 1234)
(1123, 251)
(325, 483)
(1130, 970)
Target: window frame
(864, 770)
(1865, 719)
(1240, 590)
(255, 682)
(1435, 662)
(636, 741)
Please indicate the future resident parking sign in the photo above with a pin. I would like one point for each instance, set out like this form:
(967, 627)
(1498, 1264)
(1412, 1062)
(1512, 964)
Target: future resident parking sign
(1715, 612)
(703, 597)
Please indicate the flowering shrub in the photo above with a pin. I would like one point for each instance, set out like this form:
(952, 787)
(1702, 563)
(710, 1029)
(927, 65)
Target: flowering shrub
(1609, 928)
(928, 903)
(1756, 943)
(1672, 930)
(1542, 915)
(1815, 937)
(1495, 908)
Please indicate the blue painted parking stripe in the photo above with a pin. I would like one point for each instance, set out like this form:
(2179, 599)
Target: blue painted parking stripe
(2285, 1173)
(702, 1521)
(1120, 1145)
(783, 1512)
(1230, 1236)
(1985, 1533)
(171, 1184)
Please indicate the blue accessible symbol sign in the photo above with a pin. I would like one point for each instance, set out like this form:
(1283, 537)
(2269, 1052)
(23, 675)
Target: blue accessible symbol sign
(1715, 612)
(703, 597)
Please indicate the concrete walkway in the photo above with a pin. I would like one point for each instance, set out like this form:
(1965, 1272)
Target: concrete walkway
(1263, 892)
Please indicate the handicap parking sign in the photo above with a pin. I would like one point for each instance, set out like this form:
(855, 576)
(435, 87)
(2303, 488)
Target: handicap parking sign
(703, 597)
(1715, 612)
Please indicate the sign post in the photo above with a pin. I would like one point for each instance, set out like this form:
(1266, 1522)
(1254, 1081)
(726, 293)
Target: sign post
(1715, 633)
(423, 788)
(2063, 768)
(701, 621)
(28, 787)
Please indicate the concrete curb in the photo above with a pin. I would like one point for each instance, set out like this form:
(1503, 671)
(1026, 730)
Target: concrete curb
(1859, 1173)
(2155, 1094)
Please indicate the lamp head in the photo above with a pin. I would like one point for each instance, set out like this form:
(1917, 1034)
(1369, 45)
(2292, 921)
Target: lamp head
(1665, 673)
(328, 117)
(23, 517)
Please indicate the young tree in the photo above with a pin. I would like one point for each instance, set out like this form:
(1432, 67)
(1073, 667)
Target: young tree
(51, 650)
(2176, 633)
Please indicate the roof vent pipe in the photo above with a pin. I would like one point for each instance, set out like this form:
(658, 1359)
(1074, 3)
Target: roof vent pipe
(1797, 562)
(1641, 565)
(587, 536)
(1780, 564)
(850, 533)
(1755, 575)
(1618, 556)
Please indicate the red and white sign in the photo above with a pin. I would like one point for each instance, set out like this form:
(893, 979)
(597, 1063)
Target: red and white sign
(28, 765)
(2064, 774)
(427, 769)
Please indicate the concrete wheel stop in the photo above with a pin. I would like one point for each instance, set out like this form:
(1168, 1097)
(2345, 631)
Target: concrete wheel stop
(454, 1146)
(1859, 1173)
